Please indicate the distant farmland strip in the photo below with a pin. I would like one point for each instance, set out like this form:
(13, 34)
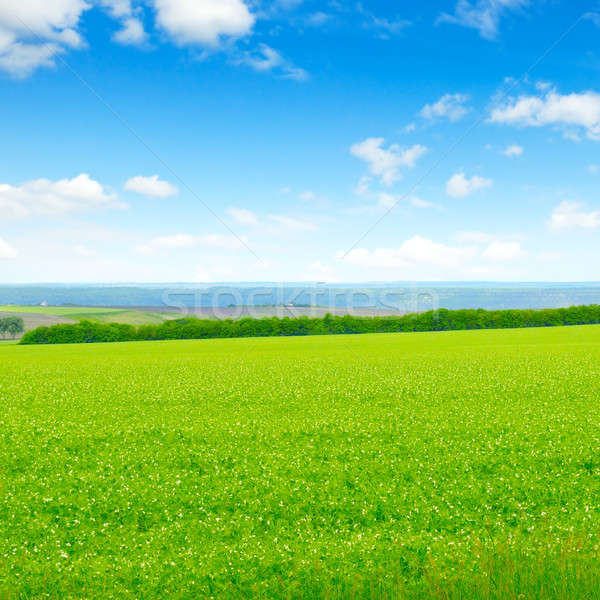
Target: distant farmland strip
(191, 328)
(51, 315)
(33, 321)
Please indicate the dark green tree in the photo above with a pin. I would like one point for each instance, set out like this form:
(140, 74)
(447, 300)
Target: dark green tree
(12, 326)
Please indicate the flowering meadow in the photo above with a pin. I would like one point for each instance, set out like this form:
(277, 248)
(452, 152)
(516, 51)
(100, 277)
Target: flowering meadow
(421, 465)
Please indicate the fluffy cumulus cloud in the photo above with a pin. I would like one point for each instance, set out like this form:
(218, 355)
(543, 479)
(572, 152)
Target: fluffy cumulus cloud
(482, 15)
(267, 59)
(6, 250)
(569, 215)
(132, 33)
(580, 111)
(132, 29)
(386, 163)
(414, 251)
(45, 197)
(449, 106)
(512, 151)
(205, 23)
(34, 32)
(459, 185)
(150, 186)
(473, 252)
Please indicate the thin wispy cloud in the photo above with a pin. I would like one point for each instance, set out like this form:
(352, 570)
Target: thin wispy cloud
(449, 106)
(268, 60)
(512, 151)
(482, 15)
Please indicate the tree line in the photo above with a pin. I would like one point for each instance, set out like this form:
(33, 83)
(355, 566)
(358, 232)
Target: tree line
(193, 328)
(12, 326)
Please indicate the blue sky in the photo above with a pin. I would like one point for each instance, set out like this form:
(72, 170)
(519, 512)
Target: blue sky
(239, 140)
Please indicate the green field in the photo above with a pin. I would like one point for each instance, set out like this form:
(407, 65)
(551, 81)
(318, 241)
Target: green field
(441, 465)
(91, 313)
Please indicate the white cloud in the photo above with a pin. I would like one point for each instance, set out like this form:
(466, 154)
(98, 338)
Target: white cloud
(21, 59)
(491, 247)
(205, 22)
(449, 106)
(267, 59)
(482, 15)
(503, 251)
(415, 251)
(32, 33)
(181, 241)
(594, 169)
(568, 215)
(43, 196)
(362, 187)
(386, 163)
(6, 250)
(292, 224)
(459, 186)
(242, 216)
(513, 150)
(150, 186)
(132, 32)
(568, 110)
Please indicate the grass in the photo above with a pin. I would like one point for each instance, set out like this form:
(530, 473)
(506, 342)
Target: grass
(448, 465)
(91, 313)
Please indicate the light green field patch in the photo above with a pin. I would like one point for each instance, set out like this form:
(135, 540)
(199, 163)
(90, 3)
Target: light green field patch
(445, 465)
(90, 313)
(60, 311)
